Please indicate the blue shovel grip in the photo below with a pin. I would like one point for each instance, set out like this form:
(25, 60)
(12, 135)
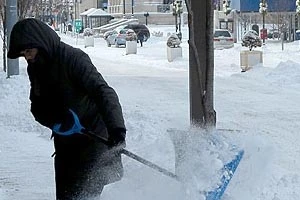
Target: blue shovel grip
(76, 128)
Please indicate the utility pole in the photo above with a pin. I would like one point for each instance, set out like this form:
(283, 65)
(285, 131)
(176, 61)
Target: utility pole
(263, 7)
(201, 63)
(124, 12)
(11, 19)
(75, 10)
(226, 7)
(177, 11)
(146, 15)
(132, 8)
(297, 14)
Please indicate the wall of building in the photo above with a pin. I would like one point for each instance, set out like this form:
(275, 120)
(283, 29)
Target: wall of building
(281, 5)
(117, 6)
(159, 13)
(87, 4)
(155, 18)
(273, 5)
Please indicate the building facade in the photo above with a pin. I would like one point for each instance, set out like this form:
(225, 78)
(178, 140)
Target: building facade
(157, 11)
(273, 5)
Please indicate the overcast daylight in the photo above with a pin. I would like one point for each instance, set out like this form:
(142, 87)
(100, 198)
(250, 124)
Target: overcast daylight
(256, 106)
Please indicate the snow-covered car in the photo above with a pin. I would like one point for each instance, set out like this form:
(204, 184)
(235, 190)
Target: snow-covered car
(116, 37)
(251, 40)
(273, 34)
(107, 33)
(223, 39)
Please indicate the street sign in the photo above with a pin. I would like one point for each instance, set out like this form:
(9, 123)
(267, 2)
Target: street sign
(78, 25)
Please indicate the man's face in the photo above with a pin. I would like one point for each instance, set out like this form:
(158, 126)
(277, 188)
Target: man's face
(30, 54)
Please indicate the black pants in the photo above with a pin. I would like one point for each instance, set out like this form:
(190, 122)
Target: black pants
(81, 169)
(141, 41)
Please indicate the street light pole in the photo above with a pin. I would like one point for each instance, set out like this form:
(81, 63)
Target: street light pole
(263, 6)
(263, 27)
(146, 15)
(11, 19)
(124, 9)
(298, 12)
(226, 6)
(177, 11)
(132, 5)
(227, 10)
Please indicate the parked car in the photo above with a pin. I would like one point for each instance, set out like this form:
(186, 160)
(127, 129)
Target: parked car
(107, 33)
(116, 37)
(139, 29)
(223, 39)
(273, 34)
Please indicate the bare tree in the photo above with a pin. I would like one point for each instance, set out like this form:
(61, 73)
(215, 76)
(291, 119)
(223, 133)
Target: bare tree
(24, 7)
(281, 17)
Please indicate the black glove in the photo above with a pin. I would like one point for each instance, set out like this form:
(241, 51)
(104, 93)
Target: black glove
(116, 137)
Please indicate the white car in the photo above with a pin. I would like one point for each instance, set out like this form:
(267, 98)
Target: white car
(116, 37)
(223, 39)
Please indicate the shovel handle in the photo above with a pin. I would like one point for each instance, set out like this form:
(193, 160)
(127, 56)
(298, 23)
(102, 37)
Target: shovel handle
(78, 128)
(148, 163)
(134, 156)
(93, 135)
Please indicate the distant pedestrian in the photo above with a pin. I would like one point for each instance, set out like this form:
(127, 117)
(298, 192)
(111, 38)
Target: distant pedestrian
(140, 37)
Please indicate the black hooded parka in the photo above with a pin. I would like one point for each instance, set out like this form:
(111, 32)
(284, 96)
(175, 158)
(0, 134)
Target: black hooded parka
(62, 78)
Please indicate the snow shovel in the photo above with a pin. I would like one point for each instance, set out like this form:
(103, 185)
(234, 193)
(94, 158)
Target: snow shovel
(227, 173)
(186, 145)
(216, 194)
(77, 128)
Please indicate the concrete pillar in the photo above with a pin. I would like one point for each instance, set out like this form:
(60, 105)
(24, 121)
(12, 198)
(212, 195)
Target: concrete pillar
(11, 19)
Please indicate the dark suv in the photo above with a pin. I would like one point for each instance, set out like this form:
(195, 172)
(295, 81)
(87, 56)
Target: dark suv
(139, 28)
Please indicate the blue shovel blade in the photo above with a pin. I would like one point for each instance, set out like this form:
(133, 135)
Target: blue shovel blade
(227, 173)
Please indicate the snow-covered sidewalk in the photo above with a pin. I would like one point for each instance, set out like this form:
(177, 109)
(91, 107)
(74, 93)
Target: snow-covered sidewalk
(261, 105)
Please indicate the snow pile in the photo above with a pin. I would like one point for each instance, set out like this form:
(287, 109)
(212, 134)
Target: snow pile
(285, 74)
(200, 157)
